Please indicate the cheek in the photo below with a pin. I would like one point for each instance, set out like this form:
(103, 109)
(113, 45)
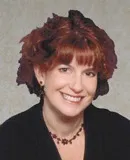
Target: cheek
(55, 82)
(91, 86)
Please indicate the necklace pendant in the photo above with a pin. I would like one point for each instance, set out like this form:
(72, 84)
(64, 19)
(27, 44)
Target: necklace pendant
(65, 141)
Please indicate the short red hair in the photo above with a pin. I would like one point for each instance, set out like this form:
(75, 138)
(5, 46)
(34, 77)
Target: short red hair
(58, 41)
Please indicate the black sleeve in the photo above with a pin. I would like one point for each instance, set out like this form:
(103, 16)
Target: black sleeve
(117, 139)
(16, 141)
(6, 141)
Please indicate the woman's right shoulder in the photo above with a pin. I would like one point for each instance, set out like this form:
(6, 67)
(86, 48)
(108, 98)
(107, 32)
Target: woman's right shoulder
(20, 120)
(16, 132)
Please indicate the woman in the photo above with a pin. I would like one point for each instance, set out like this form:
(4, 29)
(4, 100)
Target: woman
(67, 63)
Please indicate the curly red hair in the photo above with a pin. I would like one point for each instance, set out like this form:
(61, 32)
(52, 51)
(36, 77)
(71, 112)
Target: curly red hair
(58, 41)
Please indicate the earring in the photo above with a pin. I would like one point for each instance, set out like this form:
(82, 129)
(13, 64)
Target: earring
(41, 89)
(40, 83)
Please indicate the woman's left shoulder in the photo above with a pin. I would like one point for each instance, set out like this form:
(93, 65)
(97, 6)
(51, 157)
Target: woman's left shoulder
(113, 130)
(109, 120)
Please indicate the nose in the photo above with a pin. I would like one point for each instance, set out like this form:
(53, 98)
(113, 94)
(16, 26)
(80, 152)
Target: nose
(76, 84)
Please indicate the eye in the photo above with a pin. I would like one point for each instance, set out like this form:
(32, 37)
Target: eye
(91, 74)
(64, 69)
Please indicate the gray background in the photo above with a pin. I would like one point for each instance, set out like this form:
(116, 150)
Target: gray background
(19, 17)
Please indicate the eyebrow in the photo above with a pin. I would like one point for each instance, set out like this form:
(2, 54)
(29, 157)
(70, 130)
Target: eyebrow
(91, 68)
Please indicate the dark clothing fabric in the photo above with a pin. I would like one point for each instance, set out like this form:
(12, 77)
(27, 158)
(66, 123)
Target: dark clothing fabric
(26, 137)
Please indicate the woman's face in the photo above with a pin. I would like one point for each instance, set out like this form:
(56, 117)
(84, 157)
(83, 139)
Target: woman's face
(69, 89)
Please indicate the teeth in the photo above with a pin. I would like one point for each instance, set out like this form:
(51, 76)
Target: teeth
(70, 98)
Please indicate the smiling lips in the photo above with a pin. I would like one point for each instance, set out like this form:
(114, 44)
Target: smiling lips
(72, 98)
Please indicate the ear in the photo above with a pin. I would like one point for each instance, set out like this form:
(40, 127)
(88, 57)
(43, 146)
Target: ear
(40, 75)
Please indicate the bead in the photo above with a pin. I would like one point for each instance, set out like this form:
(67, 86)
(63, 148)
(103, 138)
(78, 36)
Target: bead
(54, 135)
(65, 141)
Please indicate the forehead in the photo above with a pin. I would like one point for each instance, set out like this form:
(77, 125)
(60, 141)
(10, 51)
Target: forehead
(74, 63)
(76, 58)
(81, 57)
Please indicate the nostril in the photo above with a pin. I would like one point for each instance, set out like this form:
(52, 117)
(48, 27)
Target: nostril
(76, 89)
(76, 83)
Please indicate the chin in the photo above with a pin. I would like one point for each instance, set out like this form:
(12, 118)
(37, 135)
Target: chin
(71, 113)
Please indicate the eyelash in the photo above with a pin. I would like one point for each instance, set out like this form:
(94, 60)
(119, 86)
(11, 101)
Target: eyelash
(64, 69)
(90, 74)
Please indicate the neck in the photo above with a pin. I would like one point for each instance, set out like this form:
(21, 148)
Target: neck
(61, 125)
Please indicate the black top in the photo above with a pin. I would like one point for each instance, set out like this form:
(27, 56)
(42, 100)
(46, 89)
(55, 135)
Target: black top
(26, 137)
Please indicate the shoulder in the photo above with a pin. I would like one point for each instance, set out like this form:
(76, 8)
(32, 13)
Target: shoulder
(114, 130)
(108, 120)
(106, 116)
(18, 131)
(20, 120)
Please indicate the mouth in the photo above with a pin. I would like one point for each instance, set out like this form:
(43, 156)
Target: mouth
(73, 99)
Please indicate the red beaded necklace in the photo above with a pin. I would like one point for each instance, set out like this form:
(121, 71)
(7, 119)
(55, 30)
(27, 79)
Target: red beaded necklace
(65, 141)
